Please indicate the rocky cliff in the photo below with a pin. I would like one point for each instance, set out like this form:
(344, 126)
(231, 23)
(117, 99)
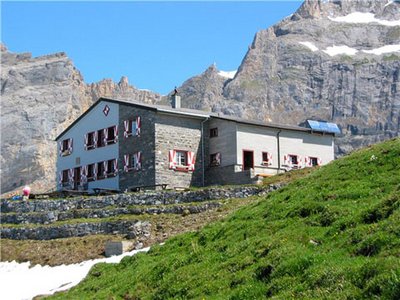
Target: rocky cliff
(40, 97)
(332, 60)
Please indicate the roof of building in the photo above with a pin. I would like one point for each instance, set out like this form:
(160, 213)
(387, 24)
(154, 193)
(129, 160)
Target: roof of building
(192, 113)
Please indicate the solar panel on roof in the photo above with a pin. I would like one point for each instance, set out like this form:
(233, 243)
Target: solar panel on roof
(323, 126)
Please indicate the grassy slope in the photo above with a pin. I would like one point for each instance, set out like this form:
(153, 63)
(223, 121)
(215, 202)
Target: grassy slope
(333, 234)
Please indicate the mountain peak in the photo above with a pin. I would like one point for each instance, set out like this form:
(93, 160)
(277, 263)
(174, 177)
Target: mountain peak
(384, 9)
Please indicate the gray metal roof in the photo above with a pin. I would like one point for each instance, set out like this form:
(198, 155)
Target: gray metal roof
(191, 113)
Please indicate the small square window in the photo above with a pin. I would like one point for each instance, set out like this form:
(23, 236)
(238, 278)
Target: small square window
(293, 159)
(181, 158)
(313, 161)
(215, 159)
(213, 132)
(66, 147)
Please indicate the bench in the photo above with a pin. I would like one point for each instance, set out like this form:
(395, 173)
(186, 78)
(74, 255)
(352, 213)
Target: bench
(264, 175)
(104, 191)
(146, 187)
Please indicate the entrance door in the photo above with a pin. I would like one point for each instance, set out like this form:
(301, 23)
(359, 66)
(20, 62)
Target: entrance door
(77, 177)
(248, 159)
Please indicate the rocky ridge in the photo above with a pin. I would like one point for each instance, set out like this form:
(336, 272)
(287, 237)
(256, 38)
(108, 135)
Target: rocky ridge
(337, 61)
(41, 96)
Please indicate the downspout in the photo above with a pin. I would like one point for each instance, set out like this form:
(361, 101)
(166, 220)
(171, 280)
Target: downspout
(279, 150)
(202, 150)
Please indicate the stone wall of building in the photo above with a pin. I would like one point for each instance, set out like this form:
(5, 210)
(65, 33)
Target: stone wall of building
(220, 175)
(132, 229)
(145, 143)
(177, 133)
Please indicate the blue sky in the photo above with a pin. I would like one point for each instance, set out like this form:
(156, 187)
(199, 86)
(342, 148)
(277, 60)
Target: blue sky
(157, 45)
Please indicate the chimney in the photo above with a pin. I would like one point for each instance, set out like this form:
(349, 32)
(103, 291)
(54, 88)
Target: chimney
(176, 99)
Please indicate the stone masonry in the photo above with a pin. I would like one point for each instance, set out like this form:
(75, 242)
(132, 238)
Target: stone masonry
(173, 133)
(145, 143)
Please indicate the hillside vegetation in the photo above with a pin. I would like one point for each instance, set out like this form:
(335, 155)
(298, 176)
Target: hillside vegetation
(333, 234)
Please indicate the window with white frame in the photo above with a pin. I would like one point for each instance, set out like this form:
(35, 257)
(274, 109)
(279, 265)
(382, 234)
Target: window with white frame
(313, 161)
(181, 158)
(90, 141)
(266, 158)
(293, 159)
(91, 172)
(65, 147)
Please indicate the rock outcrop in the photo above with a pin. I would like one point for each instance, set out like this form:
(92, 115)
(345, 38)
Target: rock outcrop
(40, 97)
(337, 61)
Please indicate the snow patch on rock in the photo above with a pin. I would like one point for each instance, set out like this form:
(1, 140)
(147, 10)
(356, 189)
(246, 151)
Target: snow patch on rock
(310, 46)
(227, 74)
(383, 50)
(363, 18)
(336, 50)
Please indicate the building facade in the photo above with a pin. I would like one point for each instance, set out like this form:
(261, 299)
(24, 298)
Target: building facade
(120, 145)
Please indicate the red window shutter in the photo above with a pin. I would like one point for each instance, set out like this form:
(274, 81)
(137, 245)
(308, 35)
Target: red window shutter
(172, 162)
(126, 162)
(126, 128)
(269, 158)
(115, 162)
(105, 136)
(319, 161)
(139, 161)
(138, 126)
(191, 160)
(60, 148)
(95, 139)
(115, 134)
(86, 141)
(105, 167)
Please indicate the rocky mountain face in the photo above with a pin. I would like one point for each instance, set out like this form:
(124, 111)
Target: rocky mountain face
(335, 60)
(40, 97)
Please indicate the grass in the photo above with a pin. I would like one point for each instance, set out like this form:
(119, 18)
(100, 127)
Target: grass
(333, 234)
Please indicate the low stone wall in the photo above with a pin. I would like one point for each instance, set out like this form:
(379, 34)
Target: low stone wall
(123, 200)
(132, 229)
(54, 216)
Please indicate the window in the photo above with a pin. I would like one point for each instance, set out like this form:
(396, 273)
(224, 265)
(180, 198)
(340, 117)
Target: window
(213, 132)
(266, 158)
(313, 161)
(65, 147)
(181, 158)
(90, 142)
(110, 168)
(111, 135)
(64, 178)
(100, 170)
(100, 138)
(293, 159)
(215, 159)
(132, 127)
(91, 173)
